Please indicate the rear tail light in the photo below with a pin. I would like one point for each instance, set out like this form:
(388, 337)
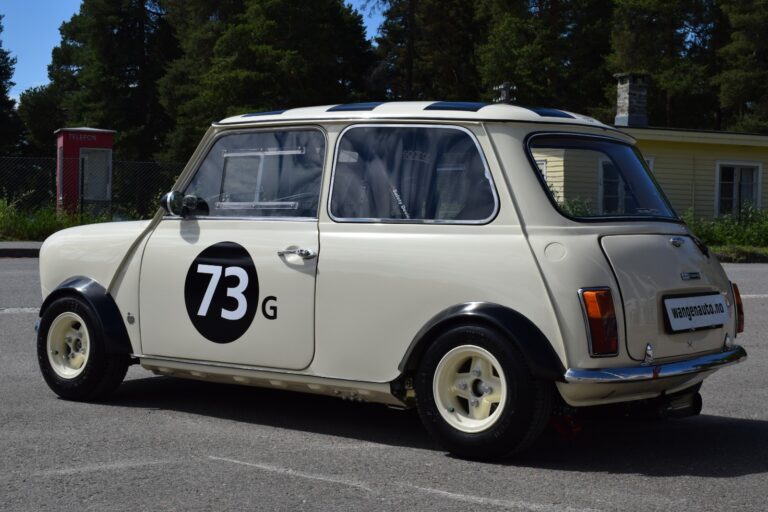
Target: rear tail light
(601, 321)
(739, 308)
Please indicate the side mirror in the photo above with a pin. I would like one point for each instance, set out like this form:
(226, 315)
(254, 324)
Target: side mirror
(173, 202)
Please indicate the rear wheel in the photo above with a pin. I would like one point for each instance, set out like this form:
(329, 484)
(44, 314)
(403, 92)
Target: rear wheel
(72, 355)
(476, 396)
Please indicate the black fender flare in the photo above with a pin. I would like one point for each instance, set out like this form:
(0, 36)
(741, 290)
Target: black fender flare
(116, 338)
(542, 359)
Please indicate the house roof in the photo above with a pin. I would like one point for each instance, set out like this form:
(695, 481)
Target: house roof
(696, 136)
(471, 111)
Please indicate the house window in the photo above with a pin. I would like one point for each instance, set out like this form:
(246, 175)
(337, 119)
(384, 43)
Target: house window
(737, 187)
(612, 190)
(649, 161)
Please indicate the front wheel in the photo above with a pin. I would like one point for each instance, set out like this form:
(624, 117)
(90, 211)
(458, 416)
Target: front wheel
(476, 396)
(72, 355)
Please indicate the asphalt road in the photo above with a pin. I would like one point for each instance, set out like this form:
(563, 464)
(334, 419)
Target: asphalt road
(168, 444)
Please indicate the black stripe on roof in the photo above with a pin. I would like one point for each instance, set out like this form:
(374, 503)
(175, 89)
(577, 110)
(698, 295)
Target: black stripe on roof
(270, 113)
(466, 106)
(355, 107)
(550, 112)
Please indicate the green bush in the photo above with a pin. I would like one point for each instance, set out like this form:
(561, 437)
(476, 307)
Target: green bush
(17, 224)
(750, 228)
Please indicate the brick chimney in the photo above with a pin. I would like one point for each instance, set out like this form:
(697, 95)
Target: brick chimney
(631, 100)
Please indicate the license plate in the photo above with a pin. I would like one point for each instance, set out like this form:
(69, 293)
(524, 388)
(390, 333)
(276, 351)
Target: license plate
(697, 312)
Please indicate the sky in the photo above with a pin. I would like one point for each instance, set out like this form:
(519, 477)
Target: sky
(31, 30)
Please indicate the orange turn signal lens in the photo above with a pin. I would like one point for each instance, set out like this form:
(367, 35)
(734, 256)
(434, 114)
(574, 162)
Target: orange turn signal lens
(739, 308)
(601, 317)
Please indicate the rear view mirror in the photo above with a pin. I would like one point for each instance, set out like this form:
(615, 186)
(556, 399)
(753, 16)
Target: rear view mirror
(172, 202)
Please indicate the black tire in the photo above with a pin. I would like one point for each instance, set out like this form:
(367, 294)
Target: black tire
(99, 375)
(515, 425)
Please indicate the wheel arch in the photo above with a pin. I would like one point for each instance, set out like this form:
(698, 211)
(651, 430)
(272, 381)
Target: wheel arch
(542, 359)
(116, 339)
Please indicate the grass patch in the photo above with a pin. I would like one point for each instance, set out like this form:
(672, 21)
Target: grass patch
(740, 253)
(16, 224)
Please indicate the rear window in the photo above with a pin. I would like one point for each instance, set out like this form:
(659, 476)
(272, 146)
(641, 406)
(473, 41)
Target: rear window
(411, 174)
(597, 178)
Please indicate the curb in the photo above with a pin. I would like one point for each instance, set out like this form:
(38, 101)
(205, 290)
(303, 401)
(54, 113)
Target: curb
(20, 249)
(19, 252)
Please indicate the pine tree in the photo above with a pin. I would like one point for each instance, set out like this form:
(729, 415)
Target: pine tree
(107, 66)
(278, 56)
(427, 50)
(260, 55)
(196, 25)
(672, 42)
(41, 113)
(744, 80)
(10, 126)
(552, 51)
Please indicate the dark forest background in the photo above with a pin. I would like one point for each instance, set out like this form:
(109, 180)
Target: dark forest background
(160, 71)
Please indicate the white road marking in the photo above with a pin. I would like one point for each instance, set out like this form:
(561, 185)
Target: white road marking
(16, 311)
(508, 504)
(297, 474)
(758, 296)
(465, 498)
(91, 468)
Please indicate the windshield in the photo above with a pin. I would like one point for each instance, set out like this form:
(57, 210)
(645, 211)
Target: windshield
(597, 178)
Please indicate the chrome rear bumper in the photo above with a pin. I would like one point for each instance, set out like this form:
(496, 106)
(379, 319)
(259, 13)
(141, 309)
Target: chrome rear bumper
(710, 362)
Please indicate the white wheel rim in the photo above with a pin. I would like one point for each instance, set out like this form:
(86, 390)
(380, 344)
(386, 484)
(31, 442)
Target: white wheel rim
(68, 345)
(470, 388)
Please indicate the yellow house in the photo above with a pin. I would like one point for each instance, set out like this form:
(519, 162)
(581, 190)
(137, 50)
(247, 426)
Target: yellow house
(711, 173)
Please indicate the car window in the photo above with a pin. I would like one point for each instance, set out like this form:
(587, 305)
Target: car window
(411, 174)
(597, 178)
(261, 174)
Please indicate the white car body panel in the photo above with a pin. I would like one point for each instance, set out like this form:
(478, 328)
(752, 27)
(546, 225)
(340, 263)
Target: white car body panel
(286, 342)
(95, 250)
(387, 281)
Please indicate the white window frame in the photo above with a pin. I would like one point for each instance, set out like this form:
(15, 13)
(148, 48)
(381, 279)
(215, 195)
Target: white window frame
(739, 163)
(622, 194)
(649, 160)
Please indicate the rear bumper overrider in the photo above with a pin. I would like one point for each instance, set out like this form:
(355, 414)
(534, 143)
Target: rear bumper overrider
(707, 363)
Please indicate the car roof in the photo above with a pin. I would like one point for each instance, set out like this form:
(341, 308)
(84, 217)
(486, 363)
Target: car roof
(452, 110)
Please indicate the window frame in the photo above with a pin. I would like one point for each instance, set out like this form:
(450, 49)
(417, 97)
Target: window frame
(649, 162)
(676, 219)
(621, 193)
(372, 220)
(241, 131)
(758, 166)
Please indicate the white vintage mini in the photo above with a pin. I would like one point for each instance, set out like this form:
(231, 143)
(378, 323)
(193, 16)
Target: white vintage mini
(483, 263)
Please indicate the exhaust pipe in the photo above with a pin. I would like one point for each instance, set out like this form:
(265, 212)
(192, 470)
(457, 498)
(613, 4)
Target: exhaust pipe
(681, 406)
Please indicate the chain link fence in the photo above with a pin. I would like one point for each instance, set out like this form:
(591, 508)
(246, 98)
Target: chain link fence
(111, 190)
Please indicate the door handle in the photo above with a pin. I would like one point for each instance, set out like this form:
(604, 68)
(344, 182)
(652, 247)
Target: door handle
(306, 254)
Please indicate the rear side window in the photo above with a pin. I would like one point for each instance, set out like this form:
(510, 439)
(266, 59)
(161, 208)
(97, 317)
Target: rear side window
(593, 178)
(411, 174)
(261, 174)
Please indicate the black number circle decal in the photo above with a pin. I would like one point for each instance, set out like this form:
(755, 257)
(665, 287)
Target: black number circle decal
(222, 292)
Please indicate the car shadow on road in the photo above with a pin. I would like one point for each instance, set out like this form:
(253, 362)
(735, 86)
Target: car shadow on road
(276, 408)
(703, 446)
(707, 446)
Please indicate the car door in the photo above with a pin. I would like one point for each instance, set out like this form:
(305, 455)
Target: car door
(232, 280)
